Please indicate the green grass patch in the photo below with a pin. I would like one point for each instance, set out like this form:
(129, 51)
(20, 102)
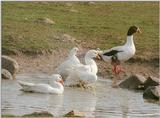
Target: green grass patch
(103, 25)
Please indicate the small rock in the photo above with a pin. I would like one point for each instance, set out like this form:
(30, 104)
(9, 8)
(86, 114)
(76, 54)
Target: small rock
(73, 10)
(10, 64)
(45, 21)
(91, 3)
(134, 82)
(26, 19)
(157, 91)
(6, 74)
(42, 2)
(74, 113)
(39, 114)
(66, 38)
(69, 4)
(151, 81)
(152, 92)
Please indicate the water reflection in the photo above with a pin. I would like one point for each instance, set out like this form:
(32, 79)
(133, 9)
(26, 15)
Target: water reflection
(81, 100)
(106, 102)
(55, 104)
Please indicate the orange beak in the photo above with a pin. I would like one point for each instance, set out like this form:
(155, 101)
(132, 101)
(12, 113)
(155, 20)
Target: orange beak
(99, 57)
(77, 52)
(139, 31)
(62, 82)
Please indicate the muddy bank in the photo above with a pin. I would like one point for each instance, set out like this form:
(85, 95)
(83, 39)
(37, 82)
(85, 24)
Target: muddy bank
(47, 63)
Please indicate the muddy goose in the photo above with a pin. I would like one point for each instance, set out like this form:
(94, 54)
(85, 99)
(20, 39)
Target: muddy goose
(119, 54)
(55, 85)
(86, 73)
(71, 61)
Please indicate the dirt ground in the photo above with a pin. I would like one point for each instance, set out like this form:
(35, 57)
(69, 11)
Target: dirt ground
(47, 63)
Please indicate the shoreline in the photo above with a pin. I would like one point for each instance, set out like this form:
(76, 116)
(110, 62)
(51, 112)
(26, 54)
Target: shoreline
(47, 63)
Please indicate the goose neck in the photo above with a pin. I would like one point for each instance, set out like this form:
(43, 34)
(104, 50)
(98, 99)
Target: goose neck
(130, 40)
(88, 60)
(93, 66)
(71, 55)
(57, 85)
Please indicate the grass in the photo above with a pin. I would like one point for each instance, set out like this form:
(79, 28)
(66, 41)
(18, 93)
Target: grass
(103, 25)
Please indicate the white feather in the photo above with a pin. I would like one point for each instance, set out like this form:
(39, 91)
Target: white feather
(68, 64)
(126, 51)
(86, 73)
(54, 86)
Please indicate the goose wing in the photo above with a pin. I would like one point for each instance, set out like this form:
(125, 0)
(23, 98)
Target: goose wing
(113, 51)
(75, 73)
(40, 88)
(67, 65)
(26, 86)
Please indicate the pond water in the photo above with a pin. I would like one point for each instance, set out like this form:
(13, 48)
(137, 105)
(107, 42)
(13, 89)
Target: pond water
(105, 101)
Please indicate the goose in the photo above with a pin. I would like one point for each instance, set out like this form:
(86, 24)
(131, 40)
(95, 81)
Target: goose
(86, 73)
(71, 61)
(55, 87)
(119, 54)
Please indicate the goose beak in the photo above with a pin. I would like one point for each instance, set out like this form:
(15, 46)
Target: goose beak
(99, 56)
(139, 31)
(77, 52)
(62, 82)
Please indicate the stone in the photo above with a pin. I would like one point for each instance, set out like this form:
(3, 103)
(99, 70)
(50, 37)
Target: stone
(134, 82)
(151, 81)
(73, 10)
(67, 38)
(10, 64)
(6, 74)
(156, 91)
(45, 21)
(152, 92)
(69, 4)
(91, 3)
(39, 114)
(74, 113)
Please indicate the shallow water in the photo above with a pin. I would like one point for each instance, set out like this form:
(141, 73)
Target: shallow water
(104, 102)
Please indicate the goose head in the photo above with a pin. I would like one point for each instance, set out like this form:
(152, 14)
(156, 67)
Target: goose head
(132, 30)
(93, 54)
(56, 79)
(73, 51)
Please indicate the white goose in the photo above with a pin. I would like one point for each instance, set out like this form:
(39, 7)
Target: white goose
(55, 87)
(86, 73)
(71, 61)
(119, 54)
